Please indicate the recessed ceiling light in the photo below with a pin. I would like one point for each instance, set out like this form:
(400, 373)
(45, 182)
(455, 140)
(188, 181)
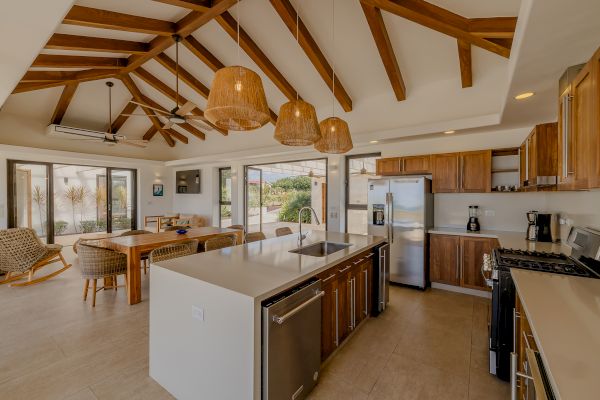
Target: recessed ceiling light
(524, 95)
(374, 141)
(449, 132)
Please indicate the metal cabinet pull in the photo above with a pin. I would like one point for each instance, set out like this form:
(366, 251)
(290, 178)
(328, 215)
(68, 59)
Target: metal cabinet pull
(457, 262)
(357, 262)
(516, 316)
(295, 310)
(345, 269)
(328, 278)
(366, 292)
(369, 255)
(337, 323)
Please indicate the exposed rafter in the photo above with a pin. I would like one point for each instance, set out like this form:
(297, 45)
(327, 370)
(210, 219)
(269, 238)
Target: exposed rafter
(103, 19)
(64, 61)
(173, 133)
(120, 120)
(150, 133)
(63, 103)
(466, 69)
(196, 5)
(49, 76)
(184, 75)
(386, 51)
(79, 76)
(496, 27)
(61, 41)
(229, 24)
(138, 96)
(188, 127)
(439, 19)
(289, 16)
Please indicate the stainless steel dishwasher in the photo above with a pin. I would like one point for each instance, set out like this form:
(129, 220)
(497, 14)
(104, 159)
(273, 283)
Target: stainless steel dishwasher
(291, 342)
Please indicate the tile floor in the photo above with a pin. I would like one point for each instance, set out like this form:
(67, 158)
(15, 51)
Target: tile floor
(428, 345)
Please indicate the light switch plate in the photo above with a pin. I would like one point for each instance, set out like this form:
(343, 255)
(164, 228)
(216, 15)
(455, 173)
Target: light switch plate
(198, 313)
(490, 213)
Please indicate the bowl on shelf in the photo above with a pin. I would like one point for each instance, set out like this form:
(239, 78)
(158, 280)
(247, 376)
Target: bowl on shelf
(181, 231)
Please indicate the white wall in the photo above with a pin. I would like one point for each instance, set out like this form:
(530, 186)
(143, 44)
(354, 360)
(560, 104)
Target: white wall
(149, 172)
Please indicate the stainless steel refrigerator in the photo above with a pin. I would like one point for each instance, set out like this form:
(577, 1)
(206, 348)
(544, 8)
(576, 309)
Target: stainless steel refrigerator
(401, 209)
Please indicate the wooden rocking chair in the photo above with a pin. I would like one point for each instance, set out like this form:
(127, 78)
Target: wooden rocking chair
(22, 253)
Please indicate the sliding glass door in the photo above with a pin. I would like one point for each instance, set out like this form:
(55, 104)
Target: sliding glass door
(224, 197)
(254, 212)
(65, 202)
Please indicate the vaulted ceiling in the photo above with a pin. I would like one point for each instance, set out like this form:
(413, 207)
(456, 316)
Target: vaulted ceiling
(399, 64)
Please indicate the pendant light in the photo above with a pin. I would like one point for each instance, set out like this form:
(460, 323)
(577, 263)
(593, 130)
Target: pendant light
(297, 124)
(335, 134)
(236, 100)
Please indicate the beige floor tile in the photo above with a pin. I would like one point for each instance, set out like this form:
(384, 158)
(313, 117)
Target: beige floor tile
(130, 385)
(484, 386)
(85, 394)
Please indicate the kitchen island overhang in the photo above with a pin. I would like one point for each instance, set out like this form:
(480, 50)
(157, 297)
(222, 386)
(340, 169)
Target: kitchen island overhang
(205, 311)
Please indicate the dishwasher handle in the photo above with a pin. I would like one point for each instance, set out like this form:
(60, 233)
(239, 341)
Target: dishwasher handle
(295, 310)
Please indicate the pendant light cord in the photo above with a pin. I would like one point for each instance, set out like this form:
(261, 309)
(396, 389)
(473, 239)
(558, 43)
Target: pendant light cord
(176, 71)
(238, 32)
(297, 32)
(333, 64)
(109, 109)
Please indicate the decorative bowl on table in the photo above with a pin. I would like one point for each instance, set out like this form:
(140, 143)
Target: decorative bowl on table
(181, 231)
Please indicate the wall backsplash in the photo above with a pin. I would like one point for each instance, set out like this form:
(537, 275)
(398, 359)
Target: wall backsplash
(506, 211)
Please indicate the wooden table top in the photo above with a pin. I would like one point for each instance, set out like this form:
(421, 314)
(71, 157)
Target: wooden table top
(149, 240)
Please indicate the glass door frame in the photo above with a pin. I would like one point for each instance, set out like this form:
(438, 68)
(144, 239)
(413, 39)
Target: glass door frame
(11, 172)
(348, 205)
(247, 168)
(11, 194)
(221, 201)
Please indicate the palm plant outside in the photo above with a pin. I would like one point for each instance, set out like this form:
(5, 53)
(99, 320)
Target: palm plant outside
(39, 197)
(76, 195)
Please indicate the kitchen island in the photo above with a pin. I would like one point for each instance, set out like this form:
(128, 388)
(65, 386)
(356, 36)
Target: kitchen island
(205, 310)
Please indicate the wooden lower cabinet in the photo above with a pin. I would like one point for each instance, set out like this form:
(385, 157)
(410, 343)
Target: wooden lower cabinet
(347, 301)
(456, 260)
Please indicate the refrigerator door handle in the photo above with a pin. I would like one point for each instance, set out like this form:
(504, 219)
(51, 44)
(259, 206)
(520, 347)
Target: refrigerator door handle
(391, 217)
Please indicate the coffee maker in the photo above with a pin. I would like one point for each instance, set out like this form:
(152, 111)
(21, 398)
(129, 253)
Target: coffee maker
(532, 228)
(473, 224)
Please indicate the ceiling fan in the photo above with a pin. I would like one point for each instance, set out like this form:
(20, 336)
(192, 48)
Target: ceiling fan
(178, 115)
(363, 171)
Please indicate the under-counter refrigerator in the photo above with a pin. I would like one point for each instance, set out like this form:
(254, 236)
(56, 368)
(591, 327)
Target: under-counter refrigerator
(401, 209)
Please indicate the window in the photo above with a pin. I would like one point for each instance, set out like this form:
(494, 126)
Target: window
(224, 197)
(359, 169)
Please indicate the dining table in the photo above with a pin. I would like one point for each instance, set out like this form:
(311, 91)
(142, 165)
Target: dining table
(136, 246)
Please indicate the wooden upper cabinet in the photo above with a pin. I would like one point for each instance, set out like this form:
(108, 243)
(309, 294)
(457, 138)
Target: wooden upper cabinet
(416, 164)
(523, 164)
(476, 172)
(388, 166)
(445, 172)
(539, 157)
(594, 171)
(585, 115)
(472, 251)
(444, 260)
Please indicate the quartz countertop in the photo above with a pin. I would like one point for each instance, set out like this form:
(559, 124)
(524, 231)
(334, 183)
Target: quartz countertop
(264, 268)
(564, 314)
(507, 239)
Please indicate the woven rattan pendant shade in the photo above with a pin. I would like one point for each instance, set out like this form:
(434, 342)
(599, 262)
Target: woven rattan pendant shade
(237, 100)
(335, 136)
(297, 124)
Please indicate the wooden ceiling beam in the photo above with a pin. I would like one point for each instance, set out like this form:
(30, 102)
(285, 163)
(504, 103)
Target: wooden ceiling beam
(288, 15)
(212, 62)
(173, 133)
(196, 5)
(63, 103)
(438, 19)
(229, 24)
(138, 96)
(49, 76)
(188, 127)
(185, 27)
(184, 75)
(496, 27)
(150, 133)
(64, 61)
(61, 41)
(466, 68)
(120, 120)
(104, 19)
(78, 76)
(386, 51)
(169, 93)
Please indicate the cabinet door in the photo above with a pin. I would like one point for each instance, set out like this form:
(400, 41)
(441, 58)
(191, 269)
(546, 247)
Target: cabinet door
(345, 302)
(476, 172)
(364, 288)
(388, 166)
(523, 164)
(594, 149)
(329, 318)
(532, 158)
(416, 164)
(584, 113)
(444, 259)
(445, 172)
(565, 142)
(472, 251)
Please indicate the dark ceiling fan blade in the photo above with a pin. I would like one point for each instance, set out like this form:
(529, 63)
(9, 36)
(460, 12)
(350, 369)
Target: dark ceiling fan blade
(150, 107)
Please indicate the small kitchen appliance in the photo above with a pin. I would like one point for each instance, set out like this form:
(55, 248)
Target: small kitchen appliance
(532, 225)
(473, 224)
(544, 227)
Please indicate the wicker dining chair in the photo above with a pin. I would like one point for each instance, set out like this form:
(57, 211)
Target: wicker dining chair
(181, 249)
(219, 243)
(135, 232)
(23, 253)
(283, 231)
(98, 263)
(238, 227)
(255, 237)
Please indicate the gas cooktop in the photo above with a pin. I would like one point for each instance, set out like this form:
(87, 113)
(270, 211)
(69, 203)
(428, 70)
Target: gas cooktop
(540, 261)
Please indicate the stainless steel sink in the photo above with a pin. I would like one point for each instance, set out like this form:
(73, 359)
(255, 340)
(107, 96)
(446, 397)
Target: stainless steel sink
(321, 249)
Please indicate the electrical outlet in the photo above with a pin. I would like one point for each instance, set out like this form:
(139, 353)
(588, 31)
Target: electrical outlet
(490, 213)
(198, 313)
